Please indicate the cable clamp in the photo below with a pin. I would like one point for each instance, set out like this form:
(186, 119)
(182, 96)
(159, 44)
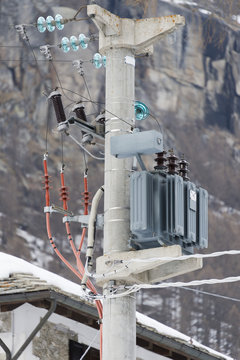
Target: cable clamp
(58, 209)
(45, 50)
(22, 31)
(63, 126)
(130, 60)
(78, 64)
(84, 219)
(48, 209)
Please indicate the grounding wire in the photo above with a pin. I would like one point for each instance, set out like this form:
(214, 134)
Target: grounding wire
(211, 294)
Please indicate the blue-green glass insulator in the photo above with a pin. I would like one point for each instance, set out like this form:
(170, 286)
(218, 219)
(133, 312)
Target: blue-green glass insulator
(104, 61)
(97, 60)
(50, 26)
(82, 41)
(58, 19)
(65, 44)
(141, 111)
(74, 43)
(41, 24)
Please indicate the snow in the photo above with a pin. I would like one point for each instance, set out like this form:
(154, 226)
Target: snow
(167, 331)
(236, 18)
(37, 247)
(204, 11)
(11, 264)
(182, 2)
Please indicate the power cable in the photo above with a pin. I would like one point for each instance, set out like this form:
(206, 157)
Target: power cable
(85, 82)
(126, 263)
(158, 123)
(137, 287)
(38, 60)
(59, 81)
(85, 353)
(83, 148)
(211, 294)
(62, 150)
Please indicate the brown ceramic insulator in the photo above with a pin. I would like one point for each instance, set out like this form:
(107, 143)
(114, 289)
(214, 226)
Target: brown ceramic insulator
(58, 107)
(172, 164)
(183, 169)
(63, 193)
(161, 160)
(86, 197)
(80, 112)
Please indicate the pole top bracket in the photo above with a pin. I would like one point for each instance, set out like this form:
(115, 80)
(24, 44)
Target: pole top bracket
(139, 35)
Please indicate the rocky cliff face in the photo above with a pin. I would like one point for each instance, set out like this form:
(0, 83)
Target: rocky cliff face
(190, 84)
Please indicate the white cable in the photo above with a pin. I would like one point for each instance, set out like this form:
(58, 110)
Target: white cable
(211, 294)
(184, 257)
(83, 148)
(135, 288)
(91, 229)
(85, 353)
(190, 283)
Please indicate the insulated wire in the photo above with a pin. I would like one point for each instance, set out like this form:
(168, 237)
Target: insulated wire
(59, 81)
(85, 82)
(168, 258)
(83, 148)
(211, 294)
(85, 353)
(158, 123)
(136, 288)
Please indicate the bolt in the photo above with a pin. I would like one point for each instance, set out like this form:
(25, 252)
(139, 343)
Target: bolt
(159, 141)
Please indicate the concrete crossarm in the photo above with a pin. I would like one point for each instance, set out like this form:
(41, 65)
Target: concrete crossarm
(138, 35)
(144, 272)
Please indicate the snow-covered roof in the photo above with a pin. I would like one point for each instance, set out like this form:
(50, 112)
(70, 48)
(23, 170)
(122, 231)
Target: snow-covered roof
(19, 275)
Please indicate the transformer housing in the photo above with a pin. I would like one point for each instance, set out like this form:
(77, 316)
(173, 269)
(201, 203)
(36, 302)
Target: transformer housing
(167, 210)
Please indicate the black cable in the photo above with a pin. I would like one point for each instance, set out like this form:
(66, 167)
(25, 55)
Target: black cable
(38, 60)
(55, 70)
(62, 150)
(85, 82)
(62, 88)
(160, 128)
(79, 10)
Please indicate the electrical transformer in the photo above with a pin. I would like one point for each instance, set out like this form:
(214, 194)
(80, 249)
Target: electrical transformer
(165, 209)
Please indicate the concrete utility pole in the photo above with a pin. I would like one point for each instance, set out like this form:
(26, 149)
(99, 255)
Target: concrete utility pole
(120, 40)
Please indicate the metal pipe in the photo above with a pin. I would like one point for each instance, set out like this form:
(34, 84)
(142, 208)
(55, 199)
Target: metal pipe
(35, 331)
(6, 349)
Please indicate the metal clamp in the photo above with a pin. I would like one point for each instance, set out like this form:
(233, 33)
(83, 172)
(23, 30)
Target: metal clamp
(53, 208)
(45, 50)
(78, 64)
(84, 219)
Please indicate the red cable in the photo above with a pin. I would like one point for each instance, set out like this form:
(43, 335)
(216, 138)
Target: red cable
(64, 197)
(86, 202)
